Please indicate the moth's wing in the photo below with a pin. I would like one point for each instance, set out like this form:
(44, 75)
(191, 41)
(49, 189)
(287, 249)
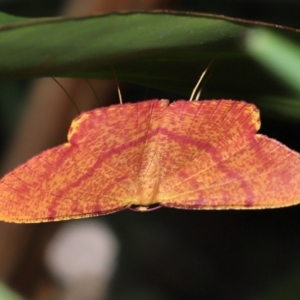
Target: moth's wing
(224, 164)
(93, 174)
(60, 183)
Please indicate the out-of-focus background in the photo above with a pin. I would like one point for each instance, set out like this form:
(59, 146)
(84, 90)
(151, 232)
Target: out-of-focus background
(166, 254)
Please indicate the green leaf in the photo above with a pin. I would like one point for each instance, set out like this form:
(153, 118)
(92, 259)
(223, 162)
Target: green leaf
(160, 49)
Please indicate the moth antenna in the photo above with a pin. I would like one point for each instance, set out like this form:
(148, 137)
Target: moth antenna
(201, 89)
(198, 94)
(118, 85)
(68, 95)
(199, 81)
(93, 91)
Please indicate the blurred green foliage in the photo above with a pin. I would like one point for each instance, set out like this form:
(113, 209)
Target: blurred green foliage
(8, 294)
(281, 57)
